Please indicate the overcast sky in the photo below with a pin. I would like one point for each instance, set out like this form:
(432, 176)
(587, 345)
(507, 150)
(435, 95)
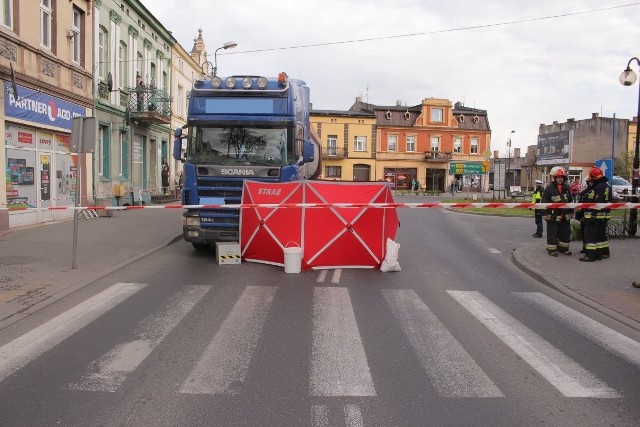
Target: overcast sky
(529, 71)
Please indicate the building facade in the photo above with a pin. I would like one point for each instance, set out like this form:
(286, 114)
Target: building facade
(185, 68)
(132, 64)
(49, 46)
(348, 144)
(423, 141)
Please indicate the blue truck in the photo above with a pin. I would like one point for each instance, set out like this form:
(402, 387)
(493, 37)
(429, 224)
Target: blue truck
(238, 128)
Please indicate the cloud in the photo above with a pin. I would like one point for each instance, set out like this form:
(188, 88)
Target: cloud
(524, 74)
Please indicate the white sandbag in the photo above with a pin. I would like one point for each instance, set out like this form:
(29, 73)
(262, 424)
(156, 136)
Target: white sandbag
(390, 261)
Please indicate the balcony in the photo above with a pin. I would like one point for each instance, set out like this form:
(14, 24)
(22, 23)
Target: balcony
(437, 156)
(335, 152)
(149, 105)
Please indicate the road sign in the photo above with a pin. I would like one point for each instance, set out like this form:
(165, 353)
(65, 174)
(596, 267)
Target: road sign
(468, 168)
(486, 154)
(607, 167)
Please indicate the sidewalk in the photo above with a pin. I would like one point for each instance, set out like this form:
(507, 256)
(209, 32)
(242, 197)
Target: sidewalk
(605, 285)
(36, 261)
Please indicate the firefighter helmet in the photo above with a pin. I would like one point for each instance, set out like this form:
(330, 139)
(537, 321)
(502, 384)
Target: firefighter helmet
(595, 173)
(557, 171)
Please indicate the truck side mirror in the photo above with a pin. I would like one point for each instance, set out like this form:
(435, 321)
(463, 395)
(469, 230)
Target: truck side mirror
(177, 144)
(308, 151)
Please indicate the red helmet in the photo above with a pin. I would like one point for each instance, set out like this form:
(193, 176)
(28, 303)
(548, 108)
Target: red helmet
(557, 171)
(595, 173)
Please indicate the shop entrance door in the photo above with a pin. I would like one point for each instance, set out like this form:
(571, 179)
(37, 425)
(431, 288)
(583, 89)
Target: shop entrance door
(44, 179)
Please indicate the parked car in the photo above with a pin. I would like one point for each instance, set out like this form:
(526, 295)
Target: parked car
(619, 187)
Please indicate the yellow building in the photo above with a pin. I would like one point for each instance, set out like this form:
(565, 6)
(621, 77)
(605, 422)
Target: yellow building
(50, 52)
(348, 141)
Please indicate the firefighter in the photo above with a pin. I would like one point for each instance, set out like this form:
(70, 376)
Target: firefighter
(536, 197)
(558, 225)
(595, 219)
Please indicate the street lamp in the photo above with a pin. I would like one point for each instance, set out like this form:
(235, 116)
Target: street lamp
(508, 162)
(627, 78)
(227, 45)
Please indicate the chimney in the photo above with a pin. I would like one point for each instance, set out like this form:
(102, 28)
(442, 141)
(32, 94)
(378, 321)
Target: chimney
(496, 154)
(571, 120)
(398, 103)
(595, 115)
(516, 153)
(555, 122)
(358, 99)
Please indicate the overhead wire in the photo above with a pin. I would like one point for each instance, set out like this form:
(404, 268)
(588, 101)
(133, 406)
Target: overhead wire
(447, 30)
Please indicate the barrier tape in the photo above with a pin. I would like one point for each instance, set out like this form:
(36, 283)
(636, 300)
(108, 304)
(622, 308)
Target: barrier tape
(477, 205)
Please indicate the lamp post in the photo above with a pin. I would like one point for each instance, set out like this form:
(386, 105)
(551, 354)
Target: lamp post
(227, 45)
(627, 78)
(508, 163)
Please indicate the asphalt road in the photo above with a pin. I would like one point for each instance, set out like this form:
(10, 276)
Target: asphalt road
(458, 337)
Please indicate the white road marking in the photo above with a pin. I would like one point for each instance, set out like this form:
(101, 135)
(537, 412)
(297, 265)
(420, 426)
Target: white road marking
(494, 251)
(562, 372)
(336, 275)
(451, 370)
(23, 350)
(109, 371)
(352, 415)
(322, 276)
(320, 416)
(613, 341)
(224, 364)
(338, 362)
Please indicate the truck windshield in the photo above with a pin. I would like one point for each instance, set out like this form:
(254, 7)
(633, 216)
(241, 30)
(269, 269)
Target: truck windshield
(238, 145)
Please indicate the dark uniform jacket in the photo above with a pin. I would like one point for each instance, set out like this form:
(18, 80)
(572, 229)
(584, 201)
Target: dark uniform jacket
(554, 193)
(599, 192)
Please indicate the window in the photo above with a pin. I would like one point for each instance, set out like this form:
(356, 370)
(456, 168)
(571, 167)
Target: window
(102, 53)
(332, 145)
(180, 98)
(457, 145)
(76, 42)
(122, 61)
(139, 64)
(152, 77)
(333, 171)
(124, 156)
(45, 23)
(435, 143)
(103, 151)
(411, 143)
(392, 142)
(437, 115)
(360, 143)
(6, 11)
(474, 145)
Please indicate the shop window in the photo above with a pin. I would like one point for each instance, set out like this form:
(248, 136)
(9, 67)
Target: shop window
(124, 155)
(333, 172)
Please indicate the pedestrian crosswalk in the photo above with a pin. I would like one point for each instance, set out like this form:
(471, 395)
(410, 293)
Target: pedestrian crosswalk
(338, 360)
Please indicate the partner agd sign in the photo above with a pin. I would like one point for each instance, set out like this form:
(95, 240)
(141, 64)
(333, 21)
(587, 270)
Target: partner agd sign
(40, 108)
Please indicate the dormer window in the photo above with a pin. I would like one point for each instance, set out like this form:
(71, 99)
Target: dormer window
(437, 115)
(388, 115)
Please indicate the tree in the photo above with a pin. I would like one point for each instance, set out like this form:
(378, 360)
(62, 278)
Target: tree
(623, 165)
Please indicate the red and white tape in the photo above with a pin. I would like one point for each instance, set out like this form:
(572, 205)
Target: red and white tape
(465, 205)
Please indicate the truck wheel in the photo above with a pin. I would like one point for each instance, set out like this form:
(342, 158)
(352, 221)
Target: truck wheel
(201, 246)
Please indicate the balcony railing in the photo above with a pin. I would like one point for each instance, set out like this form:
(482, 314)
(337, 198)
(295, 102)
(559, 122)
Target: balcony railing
(149, 105)
(437, 156)
(335, 152)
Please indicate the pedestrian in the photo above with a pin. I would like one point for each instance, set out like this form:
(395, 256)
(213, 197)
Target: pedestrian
(536, 197)
(558, 225)
(575, 190)
(580, 213)
(139, 91)
(595, 219)
(164, 174)
(179, 183)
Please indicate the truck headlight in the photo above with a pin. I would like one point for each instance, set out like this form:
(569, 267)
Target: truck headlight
(192, 220)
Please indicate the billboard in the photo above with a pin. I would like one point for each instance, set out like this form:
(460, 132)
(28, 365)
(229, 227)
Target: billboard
(554, 148)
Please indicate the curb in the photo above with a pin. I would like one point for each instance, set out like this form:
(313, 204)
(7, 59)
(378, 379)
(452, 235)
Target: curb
(8, 321)
(528, 268)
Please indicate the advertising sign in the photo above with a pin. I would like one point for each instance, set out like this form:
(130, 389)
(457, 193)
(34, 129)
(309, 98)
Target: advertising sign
(40, 108)
(554, 148)
(468, 168)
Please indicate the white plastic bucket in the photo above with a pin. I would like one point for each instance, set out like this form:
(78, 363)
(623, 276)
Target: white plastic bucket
(292, 259)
